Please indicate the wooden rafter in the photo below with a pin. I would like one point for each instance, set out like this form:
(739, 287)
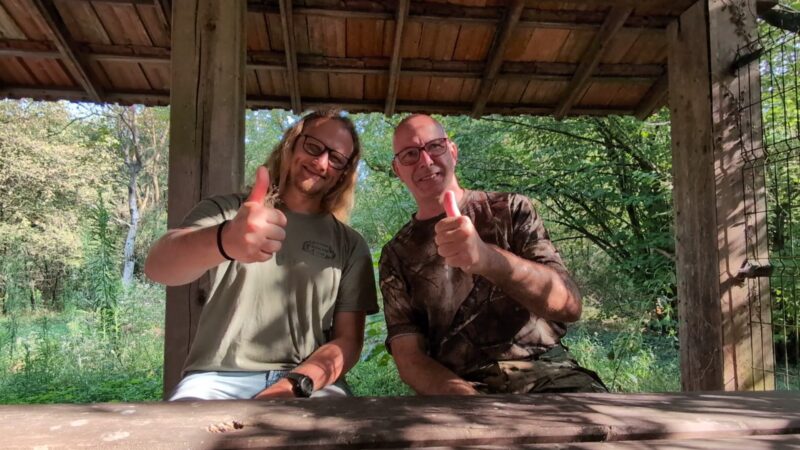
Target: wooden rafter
(394, 68)
(71, 57)
(655, 98)
(591, 58)
(423, 11)
(164, 11)
(162, 98)
(418, 67)
(287, 28)
(503, 35)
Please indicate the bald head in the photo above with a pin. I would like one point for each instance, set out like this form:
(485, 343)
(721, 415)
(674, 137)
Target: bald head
(413, 125)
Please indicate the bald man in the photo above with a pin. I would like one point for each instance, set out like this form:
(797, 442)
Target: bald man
(476, 298)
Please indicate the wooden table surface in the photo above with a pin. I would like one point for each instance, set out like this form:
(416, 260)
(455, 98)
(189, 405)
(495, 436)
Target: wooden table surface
(747, 420)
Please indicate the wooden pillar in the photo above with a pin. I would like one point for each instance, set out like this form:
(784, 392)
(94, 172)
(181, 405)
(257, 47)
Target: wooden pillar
(719, 349)
(206, 156)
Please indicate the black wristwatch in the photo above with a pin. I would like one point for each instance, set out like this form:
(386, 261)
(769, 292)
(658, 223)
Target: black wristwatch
(302, 386)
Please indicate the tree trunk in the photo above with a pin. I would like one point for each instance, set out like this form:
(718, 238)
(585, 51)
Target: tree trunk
(130, 239)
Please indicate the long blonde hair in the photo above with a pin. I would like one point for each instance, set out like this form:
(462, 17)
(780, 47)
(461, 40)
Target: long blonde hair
(339, 201)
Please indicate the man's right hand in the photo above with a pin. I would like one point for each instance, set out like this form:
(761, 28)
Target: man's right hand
(257, 232)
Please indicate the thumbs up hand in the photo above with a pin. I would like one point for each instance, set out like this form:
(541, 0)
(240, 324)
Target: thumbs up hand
(257, 232)
(457, 241)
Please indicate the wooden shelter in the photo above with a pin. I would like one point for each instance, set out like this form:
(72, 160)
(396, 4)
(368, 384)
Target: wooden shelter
(210, 59)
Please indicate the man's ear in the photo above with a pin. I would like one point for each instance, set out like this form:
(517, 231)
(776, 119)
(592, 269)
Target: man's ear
(453, 150)
(394, 168)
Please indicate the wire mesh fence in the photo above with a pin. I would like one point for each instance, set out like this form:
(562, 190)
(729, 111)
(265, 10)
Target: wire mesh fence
(768, 114)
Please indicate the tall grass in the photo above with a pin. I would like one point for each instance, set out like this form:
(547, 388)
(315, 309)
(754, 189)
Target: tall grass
(65, 357)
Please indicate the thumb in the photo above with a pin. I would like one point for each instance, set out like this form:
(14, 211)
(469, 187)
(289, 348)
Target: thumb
(450, 205)
(260, 186)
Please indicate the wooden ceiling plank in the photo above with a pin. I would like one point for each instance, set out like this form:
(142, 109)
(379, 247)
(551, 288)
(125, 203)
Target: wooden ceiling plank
(394, 68)
(164, 11)
(67, 47)
(504, 32)
(591, 58)
(654, 98)
(287, 27)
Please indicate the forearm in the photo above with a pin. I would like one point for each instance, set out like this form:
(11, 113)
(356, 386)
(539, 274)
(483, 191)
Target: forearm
(183, 255)
(542, 290)
(329, 362)
(427, 377)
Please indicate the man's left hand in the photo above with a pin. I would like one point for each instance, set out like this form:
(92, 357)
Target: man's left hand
(281, 389)
(457, 241)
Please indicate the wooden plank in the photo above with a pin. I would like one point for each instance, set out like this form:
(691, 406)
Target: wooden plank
(694, 196)
(156, 28)
(72, 58)
(419, 422)
(291, 55)
(421, 12)
(503, 35)
(164, 11)
(741, 443)
(8, 26)
(732, 26)
(616, 17)
(206, 156)
(653, 99)
(394, 68)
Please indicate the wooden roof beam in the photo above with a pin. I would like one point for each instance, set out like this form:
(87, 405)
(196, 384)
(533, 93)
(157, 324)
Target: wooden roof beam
(591, 58)
(394, 69)
(654, 99)
(162, 98)
(71, 57)
(421, 67)
(504, 32)
(422, 11)
(287, 27)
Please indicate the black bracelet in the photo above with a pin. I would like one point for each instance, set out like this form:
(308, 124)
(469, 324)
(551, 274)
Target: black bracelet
(219, 241)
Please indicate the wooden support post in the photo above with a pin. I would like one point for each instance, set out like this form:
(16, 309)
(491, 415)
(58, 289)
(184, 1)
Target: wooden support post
(394, 69)
(718, 350)
(591, 58)
(503, 35)
(72, 58)
(206, 155)
(287, 27)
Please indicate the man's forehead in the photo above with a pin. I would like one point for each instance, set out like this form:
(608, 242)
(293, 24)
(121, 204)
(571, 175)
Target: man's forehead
(417, 131)
(332, 133)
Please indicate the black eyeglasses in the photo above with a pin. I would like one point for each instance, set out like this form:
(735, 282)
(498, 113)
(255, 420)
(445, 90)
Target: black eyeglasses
(315, 147)
(410, 155)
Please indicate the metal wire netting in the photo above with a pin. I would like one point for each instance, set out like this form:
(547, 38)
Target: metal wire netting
(770, 131)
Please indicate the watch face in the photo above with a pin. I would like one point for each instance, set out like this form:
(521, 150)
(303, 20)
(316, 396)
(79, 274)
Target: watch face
(306, 386)
(302, 385)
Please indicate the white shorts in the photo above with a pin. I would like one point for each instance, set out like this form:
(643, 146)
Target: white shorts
(240, 385)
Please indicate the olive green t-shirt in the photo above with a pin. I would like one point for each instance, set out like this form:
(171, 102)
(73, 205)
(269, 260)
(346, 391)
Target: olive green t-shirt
(273, 315)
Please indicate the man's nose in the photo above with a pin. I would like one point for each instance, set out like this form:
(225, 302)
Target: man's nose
(322, 160)
(424, 158)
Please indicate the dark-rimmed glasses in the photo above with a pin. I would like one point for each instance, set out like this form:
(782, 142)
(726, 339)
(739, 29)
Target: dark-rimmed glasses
(410, 155)
(315, 147)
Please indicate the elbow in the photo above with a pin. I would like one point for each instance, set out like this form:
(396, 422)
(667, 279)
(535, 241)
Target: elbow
(573, 309)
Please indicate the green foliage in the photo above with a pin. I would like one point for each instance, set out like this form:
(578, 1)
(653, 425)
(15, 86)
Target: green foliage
(103, 271)
(627, 361)
(66, 358)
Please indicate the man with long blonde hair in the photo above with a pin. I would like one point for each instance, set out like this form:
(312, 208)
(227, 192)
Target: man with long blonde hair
(291, 283)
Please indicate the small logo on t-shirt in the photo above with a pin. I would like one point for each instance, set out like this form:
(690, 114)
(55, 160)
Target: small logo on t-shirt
(319, 249)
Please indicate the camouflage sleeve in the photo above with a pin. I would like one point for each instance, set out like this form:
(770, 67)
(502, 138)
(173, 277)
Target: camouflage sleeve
(530, 240)
(401, 316)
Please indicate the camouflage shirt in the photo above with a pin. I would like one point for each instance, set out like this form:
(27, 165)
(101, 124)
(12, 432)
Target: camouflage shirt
(466, 321)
